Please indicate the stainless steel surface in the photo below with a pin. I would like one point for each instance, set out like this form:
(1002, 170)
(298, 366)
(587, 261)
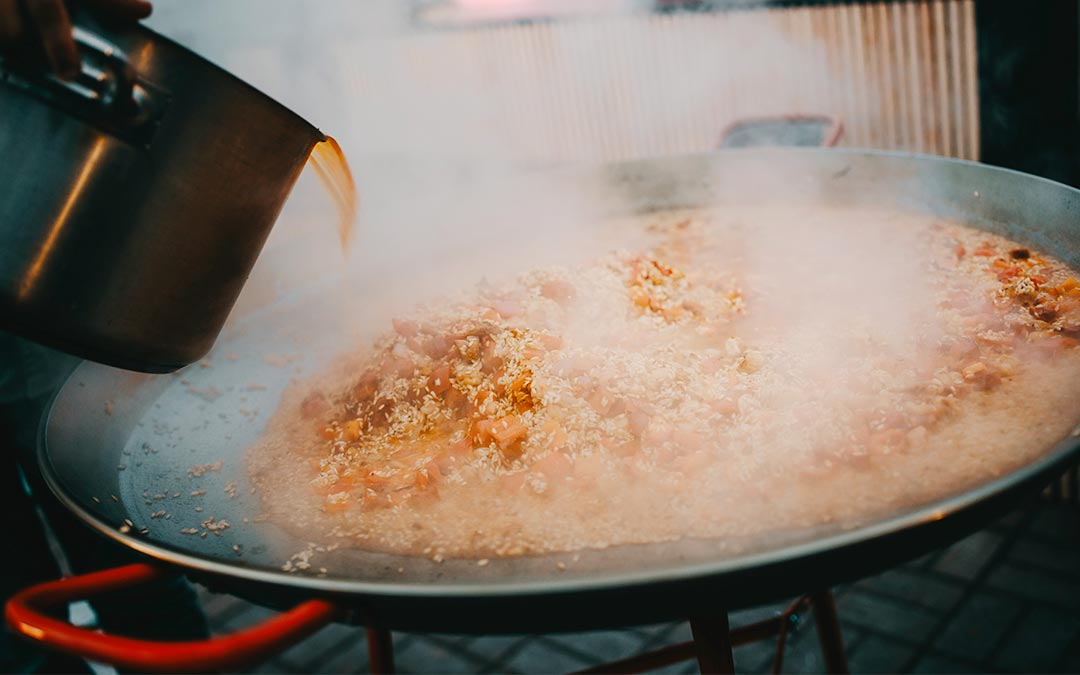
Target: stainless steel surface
(136, 199)
(119, 445)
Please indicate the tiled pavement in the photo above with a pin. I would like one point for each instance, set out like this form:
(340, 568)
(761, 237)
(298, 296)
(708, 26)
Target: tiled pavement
(1006, 599)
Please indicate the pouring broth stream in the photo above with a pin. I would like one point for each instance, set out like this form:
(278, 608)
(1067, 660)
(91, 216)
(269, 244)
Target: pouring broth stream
(329, 163)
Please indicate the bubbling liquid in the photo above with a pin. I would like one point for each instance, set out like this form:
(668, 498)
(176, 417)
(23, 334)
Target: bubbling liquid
(743, 375)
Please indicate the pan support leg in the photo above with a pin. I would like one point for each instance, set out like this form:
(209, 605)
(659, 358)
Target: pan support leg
(380, 650)
(828, 630)
(712, 641)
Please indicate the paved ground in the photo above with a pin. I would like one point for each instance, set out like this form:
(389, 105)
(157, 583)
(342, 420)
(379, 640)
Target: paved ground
(1006, 599)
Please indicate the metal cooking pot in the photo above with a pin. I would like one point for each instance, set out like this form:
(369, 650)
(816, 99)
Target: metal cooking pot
(136, 199)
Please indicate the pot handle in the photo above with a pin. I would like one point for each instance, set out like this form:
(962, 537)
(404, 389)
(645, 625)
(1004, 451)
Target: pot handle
(25, 616)
(105, 76)
(105, 91)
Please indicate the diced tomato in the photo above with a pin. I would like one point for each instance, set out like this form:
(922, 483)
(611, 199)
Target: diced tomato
(980, 375)
(482, 396)
(351, 430)
(638, 421)
(555, 430)
(439, 380)
(314, 404)
(406, 328)
(558, 290)
(624, 448)
(456, 401)
(589, 469)
(447, 463)
(508, 430)
(490, 363)
(710, 365)
(523, 402)
(434, 471)
(404, 455)
(423, 497)
(529, 353)
(514, 481)
(1067, 305)
(499, 387)
(507, 308)
(555, 466)
(1004, 269)
(895, 420)
(521, 383)
(437, 346)
(551, 342)
(428, 476)
(963, 349)
(464, 447)
(617, 407)
(1069, 287)
(659, 431)
(1055, 343)
(482, 431)
(402, 367)
(725, 406)
(381, 410)
(366, 387)
(605, 403)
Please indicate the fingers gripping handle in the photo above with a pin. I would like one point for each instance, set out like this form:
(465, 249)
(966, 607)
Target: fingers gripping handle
(25, 616)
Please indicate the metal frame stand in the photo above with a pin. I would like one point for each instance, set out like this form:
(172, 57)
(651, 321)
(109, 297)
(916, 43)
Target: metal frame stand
(828, 629)
(380, 651)
(712, 644)
(712, 641)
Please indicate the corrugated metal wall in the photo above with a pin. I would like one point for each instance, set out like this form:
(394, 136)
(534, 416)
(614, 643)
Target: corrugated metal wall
(902, 75)
(415, 104)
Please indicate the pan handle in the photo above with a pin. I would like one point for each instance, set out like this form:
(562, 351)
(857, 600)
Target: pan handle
(832, 129)
(25, 614)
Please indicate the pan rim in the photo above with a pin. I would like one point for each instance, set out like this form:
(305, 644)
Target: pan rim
(784, 555)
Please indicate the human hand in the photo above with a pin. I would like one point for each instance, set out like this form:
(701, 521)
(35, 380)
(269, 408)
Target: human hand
(42, 29)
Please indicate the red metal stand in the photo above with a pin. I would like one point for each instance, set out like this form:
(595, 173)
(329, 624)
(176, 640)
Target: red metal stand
(28, 614)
